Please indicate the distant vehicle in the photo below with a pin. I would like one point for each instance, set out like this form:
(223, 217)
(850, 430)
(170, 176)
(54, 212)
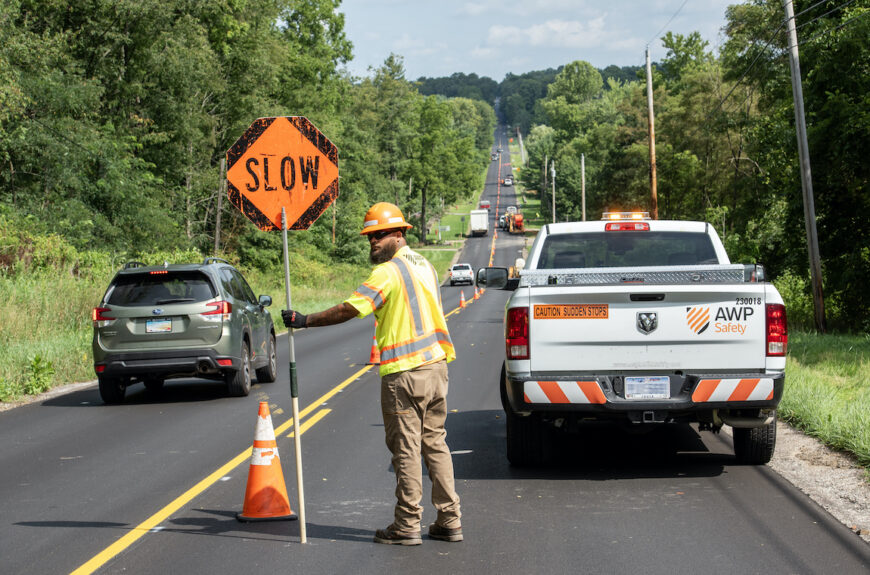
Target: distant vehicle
(182, 320)
(511, 210)
(508, 181)
(501, 222)
(493, 157)
(461, 273)
(479, 222)
(514, 223)
(499, 150)
(484, 205)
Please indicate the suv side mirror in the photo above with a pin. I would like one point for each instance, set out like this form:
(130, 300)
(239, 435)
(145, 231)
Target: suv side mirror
(265, 300)
(496, 278)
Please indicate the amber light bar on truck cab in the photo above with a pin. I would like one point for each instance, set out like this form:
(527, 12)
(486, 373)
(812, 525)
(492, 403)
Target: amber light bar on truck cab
(625, 216)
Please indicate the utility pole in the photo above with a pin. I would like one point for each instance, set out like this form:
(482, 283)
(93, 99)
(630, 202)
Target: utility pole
(806, 175)
(583, 183)
(652, 139)
(544, 185)
(553, 177)
(522, 149)
(222, 189)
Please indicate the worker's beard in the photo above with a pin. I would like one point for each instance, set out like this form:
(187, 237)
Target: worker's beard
(384, 253)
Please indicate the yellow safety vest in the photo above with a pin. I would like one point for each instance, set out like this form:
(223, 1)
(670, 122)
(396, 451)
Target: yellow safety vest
(404, 295)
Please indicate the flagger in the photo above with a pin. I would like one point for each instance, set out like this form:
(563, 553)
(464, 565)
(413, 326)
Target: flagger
(415, 347)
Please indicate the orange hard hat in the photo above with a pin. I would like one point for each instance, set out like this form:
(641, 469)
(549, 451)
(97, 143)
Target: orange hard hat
(383, 216)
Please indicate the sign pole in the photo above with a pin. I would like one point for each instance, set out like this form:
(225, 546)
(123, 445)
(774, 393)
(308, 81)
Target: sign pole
(294, 390)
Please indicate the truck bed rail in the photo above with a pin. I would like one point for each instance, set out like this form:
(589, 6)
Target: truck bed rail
(670, 275)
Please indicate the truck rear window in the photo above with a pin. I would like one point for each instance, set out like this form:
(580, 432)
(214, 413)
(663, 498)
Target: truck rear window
(626, 249)
(146, 289)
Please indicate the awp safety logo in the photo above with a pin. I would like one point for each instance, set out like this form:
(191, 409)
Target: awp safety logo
(698, 318)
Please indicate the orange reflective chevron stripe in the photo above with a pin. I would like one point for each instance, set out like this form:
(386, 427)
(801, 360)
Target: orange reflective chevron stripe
(746, 389)
(563, 392)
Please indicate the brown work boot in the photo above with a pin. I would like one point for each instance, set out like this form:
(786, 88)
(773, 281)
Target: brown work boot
(390, 536)
(445, 534)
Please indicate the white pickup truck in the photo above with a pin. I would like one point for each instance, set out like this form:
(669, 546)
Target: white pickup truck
(643, 321)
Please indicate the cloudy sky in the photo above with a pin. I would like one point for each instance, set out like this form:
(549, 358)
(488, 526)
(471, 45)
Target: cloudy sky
(494, 37)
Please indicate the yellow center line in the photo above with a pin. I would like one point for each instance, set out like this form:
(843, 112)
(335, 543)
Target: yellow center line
(309, 423)
(140, 530)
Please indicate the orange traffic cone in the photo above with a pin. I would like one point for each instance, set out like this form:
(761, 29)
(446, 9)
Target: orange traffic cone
(375, 355)
(462, 299)
(266, 495)
(476, 293)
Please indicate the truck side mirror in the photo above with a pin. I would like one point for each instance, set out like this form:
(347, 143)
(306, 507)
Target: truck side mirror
(496, 278)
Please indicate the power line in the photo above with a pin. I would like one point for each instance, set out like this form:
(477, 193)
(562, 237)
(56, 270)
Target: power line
(656, 35)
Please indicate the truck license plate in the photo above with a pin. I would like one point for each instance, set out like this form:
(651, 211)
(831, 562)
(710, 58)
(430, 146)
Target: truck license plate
(652, 387)
(158, 326)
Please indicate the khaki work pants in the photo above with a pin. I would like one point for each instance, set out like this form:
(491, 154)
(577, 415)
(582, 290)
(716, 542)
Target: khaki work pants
(414, 406)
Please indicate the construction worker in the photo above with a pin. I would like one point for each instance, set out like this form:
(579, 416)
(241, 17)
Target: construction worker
(403, 293)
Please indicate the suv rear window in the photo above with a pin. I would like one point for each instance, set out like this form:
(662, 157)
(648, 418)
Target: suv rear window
(154, 289)
(626, 249)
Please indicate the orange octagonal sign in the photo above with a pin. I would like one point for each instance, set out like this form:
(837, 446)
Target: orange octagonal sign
(283, 162)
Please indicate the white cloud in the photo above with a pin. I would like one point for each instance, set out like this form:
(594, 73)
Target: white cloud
(555, 33)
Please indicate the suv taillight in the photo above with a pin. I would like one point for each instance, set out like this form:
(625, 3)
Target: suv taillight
(777, 330)
(222, 308)
(517, 333)
(99, 314)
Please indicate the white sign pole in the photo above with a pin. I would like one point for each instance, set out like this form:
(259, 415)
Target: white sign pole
(294, 390)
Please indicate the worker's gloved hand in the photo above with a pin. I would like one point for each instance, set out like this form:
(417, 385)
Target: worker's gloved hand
(293, 319)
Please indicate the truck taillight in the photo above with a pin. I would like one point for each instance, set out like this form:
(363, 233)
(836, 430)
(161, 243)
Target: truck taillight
(777, 329)
(99, 314)
(222, 310)
(517, 333)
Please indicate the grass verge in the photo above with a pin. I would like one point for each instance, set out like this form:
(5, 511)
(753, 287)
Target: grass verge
(827, 392)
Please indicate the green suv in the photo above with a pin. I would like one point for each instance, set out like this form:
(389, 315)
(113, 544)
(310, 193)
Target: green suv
(182, 320)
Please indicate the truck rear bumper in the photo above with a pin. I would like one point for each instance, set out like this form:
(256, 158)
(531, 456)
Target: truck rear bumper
(697, 397)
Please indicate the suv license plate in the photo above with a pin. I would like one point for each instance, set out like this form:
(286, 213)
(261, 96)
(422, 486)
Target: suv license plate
(158, 326)
(652, 387)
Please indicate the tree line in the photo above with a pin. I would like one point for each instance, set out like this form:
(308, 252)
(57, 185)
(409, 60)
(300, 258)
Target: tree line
(115, 114)
(726, 147)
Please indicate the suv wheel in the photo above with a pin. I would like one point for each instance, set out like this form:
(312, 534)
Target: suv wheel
(112, 389)
(239, 382)
(269, 372)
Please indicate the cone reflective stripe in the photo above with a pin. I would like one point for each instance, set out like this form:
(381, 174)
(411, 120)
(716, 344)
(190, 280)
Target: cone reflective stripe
(375, 355)
(266, 494)
(476, 293)
(462, 299)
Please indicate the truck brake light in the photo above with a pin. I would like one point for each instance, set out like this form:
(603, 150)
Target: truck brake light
(517, 333)
(626, 227)
(777, 330)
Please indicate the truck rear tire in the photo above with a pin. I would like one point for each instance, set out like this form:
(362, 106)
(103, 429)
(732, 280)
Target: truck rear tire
(755, 445)
(525, 440)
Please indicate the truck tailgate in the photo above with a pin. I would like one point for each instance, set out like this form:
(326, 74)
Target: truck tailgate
(595, 329)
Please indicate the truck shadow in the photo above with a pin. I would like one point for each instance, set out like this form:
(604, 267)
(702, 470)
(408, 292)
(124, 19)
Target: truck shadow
(597, 452)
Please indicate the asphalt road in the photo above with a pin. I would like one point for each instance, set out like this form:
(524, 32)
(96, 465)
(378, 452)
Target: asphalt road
(153, 485)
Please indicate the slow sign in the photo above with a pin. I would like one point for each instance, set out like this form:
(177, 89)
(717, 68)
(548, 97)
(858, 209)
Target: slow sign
(282, 162)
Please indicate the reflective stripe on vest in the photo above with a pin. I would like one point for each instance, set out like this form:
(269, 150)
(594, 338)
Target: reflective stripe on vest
(428, 344)
(371, 295)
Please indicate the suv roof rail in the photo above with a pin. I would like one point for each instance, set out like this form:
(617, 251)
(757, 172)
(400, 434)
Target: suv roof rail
(129, 265)
(213, 260)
